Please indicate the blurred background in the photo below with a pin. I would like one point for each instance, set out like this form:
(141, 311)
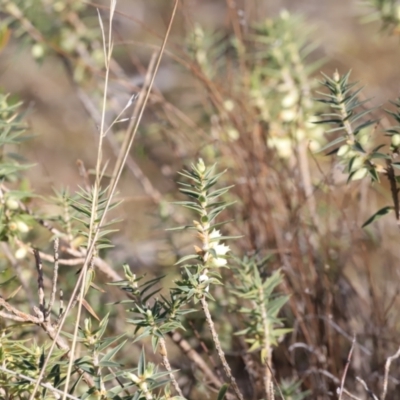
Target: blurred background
(343, 280)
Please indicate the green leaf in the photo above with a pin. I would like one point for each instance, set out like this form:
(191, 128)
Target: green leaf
(142, 363)
(112, 353)
(380, 156)
(222, 391)
(383, 211)
(186, 258)
(332, 143)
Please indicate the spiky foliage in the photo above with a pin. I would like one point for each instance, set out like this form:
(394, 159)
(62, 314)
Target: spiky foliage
(261, 305)
(351, 120)
(291, 390)
(147, 379)
(67, 23)
(14, 221)
(385, 11)
(24, 359)
(281, 72)
(83, 204)
(211, 256)
(153, 317)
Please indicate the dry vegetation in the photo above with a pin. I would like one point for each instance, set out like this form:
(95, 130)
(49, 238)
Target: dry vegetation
(117, 280)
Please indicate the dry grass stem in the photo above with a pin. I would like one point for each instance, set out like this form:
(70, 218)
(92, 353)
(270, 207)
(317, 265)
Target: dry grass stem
(346, 367)
(367, 389)
(387, 369)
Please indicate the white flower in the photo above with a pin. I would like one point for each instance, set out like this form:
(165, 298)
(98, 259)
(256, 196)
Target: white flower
(218, 262)
(202, 278)
(283, 145)
(290, 99)
(220, 249)
(215, 234)
(288, 115)
(21, 253)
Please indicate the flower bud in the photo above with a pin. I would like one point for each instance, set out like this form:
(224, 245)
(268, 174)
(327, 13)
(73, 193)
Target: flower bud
(290, 99)
(360, 174)
(37, 51)
(22, 227)
(21, 253)
(396, 140)
(200, 165)
(12, 204)
(343, 150)
(12, 226)
(357, 163)
(134, 378)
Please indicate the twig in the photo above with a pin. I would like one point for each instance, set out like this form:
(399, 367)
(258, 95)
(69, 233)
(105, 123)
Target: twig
(130, 131)
(387, 368)
(15, 318)
(346, 367)
(194, 356)
(205, 349)
(276, 384)
(55, 278)
(45, 385)
(389, 172)
(167, 365)
(218, 347)
(19, 314)
(61, 310)
(267, 345)
(350, 395)
(39, 267)
(367, 389)
(271, 394)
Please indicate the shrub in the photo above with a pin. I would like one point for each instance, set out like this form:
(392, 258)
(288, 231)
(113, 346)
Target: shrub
(254, 297)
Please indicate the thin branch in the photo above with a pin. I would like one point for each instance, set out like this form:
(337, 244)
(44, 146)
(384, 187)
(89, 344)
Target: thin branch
(131, 131)
(367, 389)
(389, 171)
(206, 350)
(276, 384)
(347, 393)
(266, 343)
(218, 347)
(55, 278)
(39, 267)
(387, 368)
(19, 314)
(44, 385)
(167, 365)
(15, 318)
(194, 356)
(346, 367)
